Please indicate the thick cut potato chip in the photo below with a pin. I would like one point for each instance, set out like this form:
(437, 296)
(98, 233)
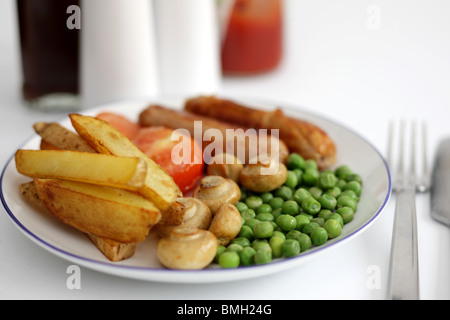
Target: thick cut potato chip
(107, 212)
(104, 138)
(113, 250)
(121, 172)
(55, 136)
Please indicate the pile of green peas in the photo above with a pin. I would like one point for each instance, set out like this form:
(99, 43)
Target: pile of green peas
(311, 207)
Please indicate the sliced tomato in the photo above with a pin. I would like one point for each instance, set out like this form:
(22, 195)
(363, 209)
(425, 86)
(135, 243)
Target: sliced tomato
(121, 123)
(178, 154)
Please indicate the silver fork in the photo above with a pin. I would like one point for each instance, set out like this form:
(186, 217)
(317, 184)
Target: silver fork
(403, 269)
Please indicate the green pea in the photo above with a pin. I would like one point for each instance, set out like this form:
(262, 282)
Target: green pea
(293, 234)
(327, 201)
(275, 226)
(307, 229)
(261, 244)
(276, 243)
(295, 161)
(234, 247)
(276, 213)
(346, 201)
(241, 206)
(251, 222)
(315, 192)
(248, 214)
(299, 174)
(262, 230)
(291, 179)
(243, 195)
(220, 249)
(262, 257)
(310, 176)
(343, 172)
(265, 216)
(264, 208)
(242, 241)
(334, 192)
(302, 220)
(301, 194)
(319, 236)
(253, 202)
(351, 194)
(311, 205)
(333, 228)
(229, 259)
(354, 177)
(291, 207)
(341, 183)
(326, 180)
(325, 213)
(336, 216)
(318, 220)
(346, 213)
(305, 242)
(286, 222)
(354, 186)
(266, 197)
(284, 192)
(311, 164)
(246, 232)
(279, 234)
(246, 256)
(290, 248)
(276, 202)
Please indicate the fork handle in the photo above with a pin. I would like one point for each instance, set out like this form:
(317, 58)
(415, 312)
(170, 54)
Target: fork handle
(404, 271)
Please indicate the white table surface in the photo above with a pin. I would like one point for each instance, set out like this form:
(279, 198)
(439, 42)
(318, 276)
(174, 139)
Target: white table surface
(338, 62)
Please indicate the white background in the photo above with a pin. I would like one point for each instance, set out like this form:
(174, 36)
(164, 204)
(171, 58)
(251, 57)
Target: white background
(336, 64)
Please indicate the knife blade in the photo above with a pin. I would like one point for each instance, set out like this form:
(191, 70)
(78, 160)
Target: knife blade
(440, 184)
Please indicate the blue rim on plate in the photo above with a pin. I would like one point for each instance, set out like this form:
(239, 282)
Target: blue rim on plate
(191, 276)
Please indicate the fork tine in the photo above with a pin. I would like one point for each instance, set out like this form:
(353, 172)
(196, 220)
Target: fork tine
(390, 140)
(424, 179)
(412, 169)
(400, 171)
(418, 170)
(398, 168)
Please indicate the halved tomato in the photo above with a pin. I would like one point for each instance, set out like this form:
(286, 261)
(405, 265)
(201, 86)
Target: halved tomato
(177, 153)
(121, 123)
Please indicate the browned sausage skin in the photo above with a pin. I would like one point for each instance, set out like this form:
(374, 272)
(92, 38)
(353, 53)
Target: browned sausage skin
(244, 143)
(300, 136)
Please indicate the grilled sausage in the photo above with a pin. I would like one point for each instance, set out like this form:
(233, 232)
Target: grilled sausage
(300, 136)
(246, 144)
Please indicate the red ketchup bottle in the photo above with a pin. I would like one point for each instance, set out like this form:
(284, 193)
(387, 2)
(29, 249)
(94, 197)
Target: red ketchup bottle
(253, 38)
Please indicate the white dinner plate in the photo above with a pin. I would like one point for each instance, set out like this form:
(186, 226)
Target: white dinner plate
(68, 243)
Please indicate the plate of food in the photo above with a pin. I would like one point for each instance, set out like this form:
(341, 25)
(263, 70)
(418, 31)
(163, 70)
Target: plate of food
(197, 190)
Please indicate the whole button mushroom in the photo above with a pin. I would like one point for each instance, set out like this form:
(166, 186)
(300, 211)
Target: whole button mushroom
(226, 224)
(216, 190)
(187, 248)
(225, 165)
(186, 212)
(263, 176)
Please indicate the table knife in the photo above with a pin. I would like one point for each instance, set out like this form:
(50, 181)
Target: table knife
(440, 184)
